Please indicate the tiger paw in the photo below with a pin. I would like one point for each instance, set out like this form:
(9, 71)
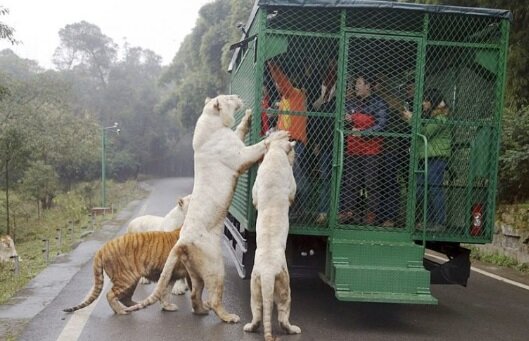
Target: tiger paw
(231, 318)
(144, 280)
(247, 115)
(201, 311)
(169, 307)
(250, 327)
(293, 330)
(179, 288)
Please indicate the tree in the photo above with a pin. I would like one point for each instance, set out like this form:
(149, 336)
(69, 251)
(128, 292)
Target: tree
(86, 57)
(13, 156)
(6, 32)
(132, 96)
(84, 46)
(40, 182)
(41, 105)
(200, 65)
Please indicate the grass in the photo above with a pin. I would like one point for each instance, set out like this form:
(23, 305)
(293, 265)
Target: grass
(496, 258)
(70, 210)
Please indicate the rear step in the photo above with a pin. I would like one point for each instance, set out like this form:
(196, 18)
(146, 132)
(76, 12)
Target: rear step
(384, 269)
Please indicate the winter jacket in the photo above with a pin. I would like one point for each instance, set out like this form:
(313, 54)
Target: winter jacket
(437, 133)
(367, 115)
(292, 101)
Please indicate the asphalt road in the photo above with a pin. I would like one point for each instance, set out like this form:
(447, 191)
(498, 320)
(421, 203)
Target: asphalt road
(487, 309)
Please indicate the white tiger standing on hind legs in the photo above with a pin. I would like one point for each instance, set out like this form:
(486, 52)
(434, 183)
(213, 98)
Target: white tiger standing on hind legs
(273, 192)
(220, 157)
(170, 222)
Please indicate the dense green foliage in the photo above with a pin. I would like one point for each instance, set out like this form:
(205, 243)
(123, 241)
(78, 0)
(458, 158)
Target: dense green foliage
(199, 69)
(51, 120)
(68, 218)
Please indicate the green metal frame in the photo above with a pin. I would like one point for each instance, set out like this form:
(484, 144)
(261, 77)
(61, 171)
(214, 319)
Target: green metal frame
(423, 41)
(365, 261)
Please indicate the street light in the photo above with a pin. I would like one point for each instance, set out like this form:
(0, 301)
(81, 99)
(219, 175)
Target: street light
(103, 154)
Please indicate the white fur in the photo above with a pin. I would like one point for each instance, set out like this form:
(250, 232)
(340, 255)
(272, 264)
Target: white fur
(273, 192)
(170, 222)
(175, 218)
(145, 223)
(220, 157)
(7, 249)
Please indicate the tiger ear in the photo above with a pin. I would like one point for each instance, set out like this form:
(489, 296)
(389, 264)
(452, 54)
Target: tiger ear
(291, 155)
(206, 101)
(217, 105)
(267, 144)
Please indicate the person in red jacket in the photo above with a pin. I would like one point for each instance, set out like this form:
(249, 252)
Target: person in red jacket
(366, 113)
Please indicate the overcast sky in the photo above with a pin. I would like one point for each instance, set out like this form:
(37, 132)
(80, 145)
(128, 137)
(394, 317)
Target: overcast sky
(159, 25)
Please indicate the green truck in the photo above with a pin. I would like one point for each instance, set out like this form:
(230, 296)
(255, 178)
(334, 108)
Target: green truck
(397, 111)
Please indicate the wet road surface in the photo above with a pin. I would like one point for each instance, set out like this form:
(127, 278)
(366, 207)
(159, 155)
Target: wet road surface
(487, 309)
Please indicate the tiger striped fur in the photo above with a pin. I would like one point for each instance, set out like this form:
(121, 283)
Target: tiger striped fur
(125, 260)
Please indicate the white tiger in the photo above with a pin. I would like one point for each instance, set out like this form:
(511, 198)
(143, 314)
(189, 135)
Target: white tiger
(273, 192)
(220, 157)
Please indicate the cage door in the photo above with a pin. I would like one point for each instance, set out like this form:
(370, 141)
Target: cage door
(380, 84)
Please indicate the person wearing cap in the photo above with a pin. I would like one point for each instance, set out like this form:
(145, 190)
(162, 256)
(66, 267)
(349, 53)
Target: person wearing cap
(367, 113)
(438, 149)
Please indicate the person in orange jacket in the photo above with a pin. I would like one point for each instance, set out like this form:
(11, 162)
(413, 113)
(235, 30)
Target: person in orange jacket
(292, 117)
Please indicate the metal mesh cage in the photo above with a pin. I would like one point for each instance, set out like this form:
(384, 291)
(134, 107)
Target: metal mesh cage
(395, 113)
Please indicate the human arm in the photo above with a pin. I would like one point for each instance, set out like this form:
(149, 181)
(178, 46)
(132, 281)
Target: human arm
(350, 108)
(434, 127)
(406, 114)
(284, 86)
(380, 111)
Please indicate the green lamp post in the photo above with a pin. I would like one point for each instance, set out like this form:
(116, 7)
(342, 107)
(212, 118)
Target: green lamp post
(103, 157)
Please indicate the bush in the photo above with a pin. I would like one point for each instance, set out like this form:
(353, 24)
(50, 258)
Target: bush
(122, 166)
(514, 158)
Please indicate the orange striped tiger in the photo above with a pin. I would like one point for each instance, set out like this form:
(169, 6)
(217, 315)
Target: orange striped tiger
(125, 260)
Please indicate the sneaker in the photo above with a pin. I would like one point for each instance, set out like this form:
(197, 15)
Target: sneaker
(388, 223)
(345, 216)
(321, 218)
(370, 218)
(311, 252)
